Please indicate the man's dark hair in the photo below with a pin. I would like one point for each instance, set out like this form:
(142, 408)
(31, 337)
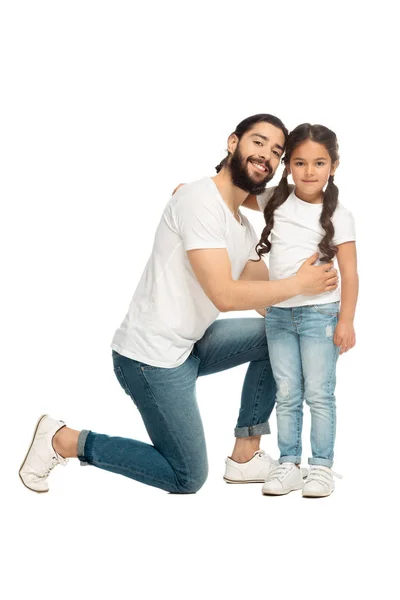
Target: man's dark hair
(247, 124)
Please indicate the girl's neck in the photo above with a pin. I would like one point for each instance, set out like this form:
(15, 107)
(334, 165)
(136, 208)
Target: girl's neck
(316, 198)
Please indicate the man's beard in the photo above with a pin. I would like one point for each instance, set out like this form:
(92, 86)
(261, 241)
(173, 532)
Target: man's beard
(237, 167)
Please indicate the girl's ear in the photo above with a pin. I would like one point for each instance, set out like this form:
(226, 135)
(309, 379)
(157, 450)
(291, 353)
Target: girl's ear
(233, 141)
(334, 167)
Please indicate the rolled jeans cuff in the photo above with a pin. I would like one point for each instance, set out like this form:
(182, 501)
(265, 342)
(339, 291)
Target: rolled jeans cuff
(81, 447)
(252, 430)
(291, 458)
(324, 462)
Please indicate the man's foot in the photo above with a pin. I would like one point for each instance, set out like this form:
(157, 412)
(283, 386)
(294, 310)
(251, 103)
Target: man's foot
(255, 470)
(285, 478)
(41, 457)
(319, 482)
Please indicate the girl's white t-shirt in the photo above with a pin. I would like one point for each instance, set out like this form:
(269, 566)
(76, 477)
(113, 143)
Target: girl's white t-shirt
(295, 237)
(169, 311)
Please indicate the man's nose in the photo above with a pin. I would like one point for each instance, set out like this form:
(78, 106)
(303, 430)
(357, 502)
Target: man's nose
(265, 153)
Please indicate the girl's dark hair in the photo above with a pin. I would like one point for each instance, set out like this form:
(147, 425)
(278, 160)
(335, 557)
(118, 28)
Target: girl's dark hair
(247, 124)
(326, 137)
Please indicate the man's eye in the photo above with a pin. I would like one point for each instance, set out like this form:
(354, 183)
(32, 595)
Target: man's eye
(278, 154)
(257, 142)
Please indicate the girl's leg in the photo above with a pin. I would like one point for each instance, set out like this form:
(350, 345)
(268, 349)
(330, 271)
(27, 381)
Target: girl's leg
(319, 357)
(284, 352)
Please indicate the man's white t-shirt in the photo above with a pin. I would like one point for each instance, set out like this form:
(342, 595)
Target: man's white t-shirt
(295, 237)
(169, 311)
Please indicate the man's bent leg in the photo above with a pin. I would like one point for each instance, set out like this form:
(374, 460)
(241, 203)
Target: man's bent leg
(166, 399)
(231, 342)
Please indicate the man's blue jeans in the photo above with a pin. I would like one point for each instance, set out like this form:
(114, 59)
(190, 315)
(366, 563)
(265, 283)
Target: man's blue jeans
(166, 399)
(303, 359)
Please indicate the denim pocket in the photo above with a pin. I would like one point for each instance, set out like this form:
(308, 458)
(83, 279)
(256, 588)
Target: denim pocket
(121, 380)
(146, 367)
(331, 309)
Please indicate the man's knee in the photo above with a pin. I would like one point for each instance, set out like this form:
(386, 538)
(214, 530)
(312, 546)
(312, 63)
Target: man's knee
(193, 481)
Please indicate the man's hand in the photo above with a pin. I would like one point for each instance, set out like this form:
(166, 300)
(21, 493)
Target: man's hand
(316, 280)
(345, 336)
(177, 188)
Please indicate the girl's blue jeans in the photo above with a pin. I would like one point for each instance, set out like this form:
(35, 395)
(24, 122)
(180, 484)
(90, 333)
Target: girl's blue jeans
(176, 460)
(303, 358)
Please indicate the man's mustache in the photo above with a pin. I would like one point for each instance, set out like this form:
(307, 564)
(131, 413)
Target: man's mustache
(264, 163)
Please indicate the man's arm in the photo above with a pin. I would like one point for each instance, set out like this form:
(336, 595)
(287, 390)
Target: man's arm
(255, 271)
(251, 201)
(212, 268)
(345, 335)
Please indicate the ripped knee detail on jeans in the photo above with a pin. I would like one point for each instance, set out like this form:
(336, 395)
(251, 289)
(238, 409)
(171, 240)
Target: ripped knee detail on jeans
(284, 388)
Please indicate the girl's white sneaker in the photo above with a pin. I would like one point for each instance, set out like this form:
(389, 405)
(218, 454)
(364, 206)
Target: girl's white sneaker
(319, 482)
(285, 478)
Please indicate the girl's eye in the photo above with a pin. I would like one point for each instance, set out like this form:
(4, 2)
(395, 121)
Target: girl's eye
(298, 163)
(320, 163)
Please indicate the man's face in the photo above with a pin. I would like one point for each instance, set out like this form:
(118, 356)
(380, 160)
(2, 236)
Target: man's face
(256, 157)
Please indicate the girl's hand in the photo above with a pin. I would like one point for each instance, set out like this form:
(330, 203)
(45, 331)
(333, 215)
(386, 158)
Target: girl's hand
(345, 336)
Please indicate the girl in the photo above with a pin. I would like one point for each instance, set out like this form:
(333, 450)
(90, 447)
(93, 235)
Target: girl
(306, 334)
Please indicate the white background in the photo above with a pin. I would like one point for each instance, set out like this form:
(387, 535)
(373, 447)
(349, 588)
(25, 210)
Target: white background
(105, 108)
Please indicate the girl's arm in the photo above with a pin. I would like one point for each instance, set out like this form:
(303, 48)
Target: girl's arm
(345, 336)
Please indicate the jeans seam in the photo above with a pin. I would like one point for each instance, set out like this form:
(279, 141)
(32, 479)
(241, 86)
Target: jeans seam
(257, 396)
(231, 355)
(144, 474)
(176, 438)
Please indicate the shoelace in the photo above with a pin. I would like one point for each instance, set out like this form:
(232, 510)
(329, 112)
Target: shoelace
(322, 476)
(264, 456)
(280, 472)
(55, 460)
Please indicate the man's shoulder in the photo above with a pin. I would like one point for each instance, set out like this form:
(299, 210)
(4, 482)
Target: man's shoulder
(202, 186)
(197, 196)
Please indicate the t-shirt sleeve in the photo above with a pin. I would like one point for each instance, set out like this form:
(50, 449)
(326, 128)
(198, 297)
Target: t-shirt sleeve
(201, 223)
(343, 222)
(265, 197)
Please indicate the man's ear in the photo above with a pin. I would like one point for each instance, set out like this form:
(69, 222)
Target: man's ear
(334, 167)
(233, 141)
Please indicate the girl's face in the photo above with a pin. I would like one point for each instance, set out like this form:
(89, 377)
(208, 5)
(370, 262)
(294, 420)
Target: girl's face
(310, 166)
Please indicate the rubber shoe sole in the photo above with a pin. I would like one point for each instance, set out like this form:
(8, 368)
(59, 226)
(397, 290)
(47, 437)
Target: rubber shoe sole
(23, 462)
(294, 488)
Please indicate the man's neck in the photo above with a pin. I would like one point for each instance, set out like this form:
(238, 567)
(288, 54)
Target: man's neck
(231, 195)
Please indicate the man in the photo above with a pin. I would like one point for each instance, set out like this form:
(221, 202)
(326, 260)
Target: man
(201, 265)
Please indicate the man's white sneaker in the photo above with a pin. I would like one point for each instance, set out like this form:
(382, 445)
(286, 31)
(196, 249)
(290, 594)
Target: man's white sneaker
(41, 457)
(255, 470)
(319, 482)
(285, 478)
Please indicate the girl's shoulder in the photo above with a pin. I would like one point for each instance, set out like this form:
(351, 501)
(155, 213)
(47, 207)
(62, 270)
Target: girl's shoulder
(342, 214)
